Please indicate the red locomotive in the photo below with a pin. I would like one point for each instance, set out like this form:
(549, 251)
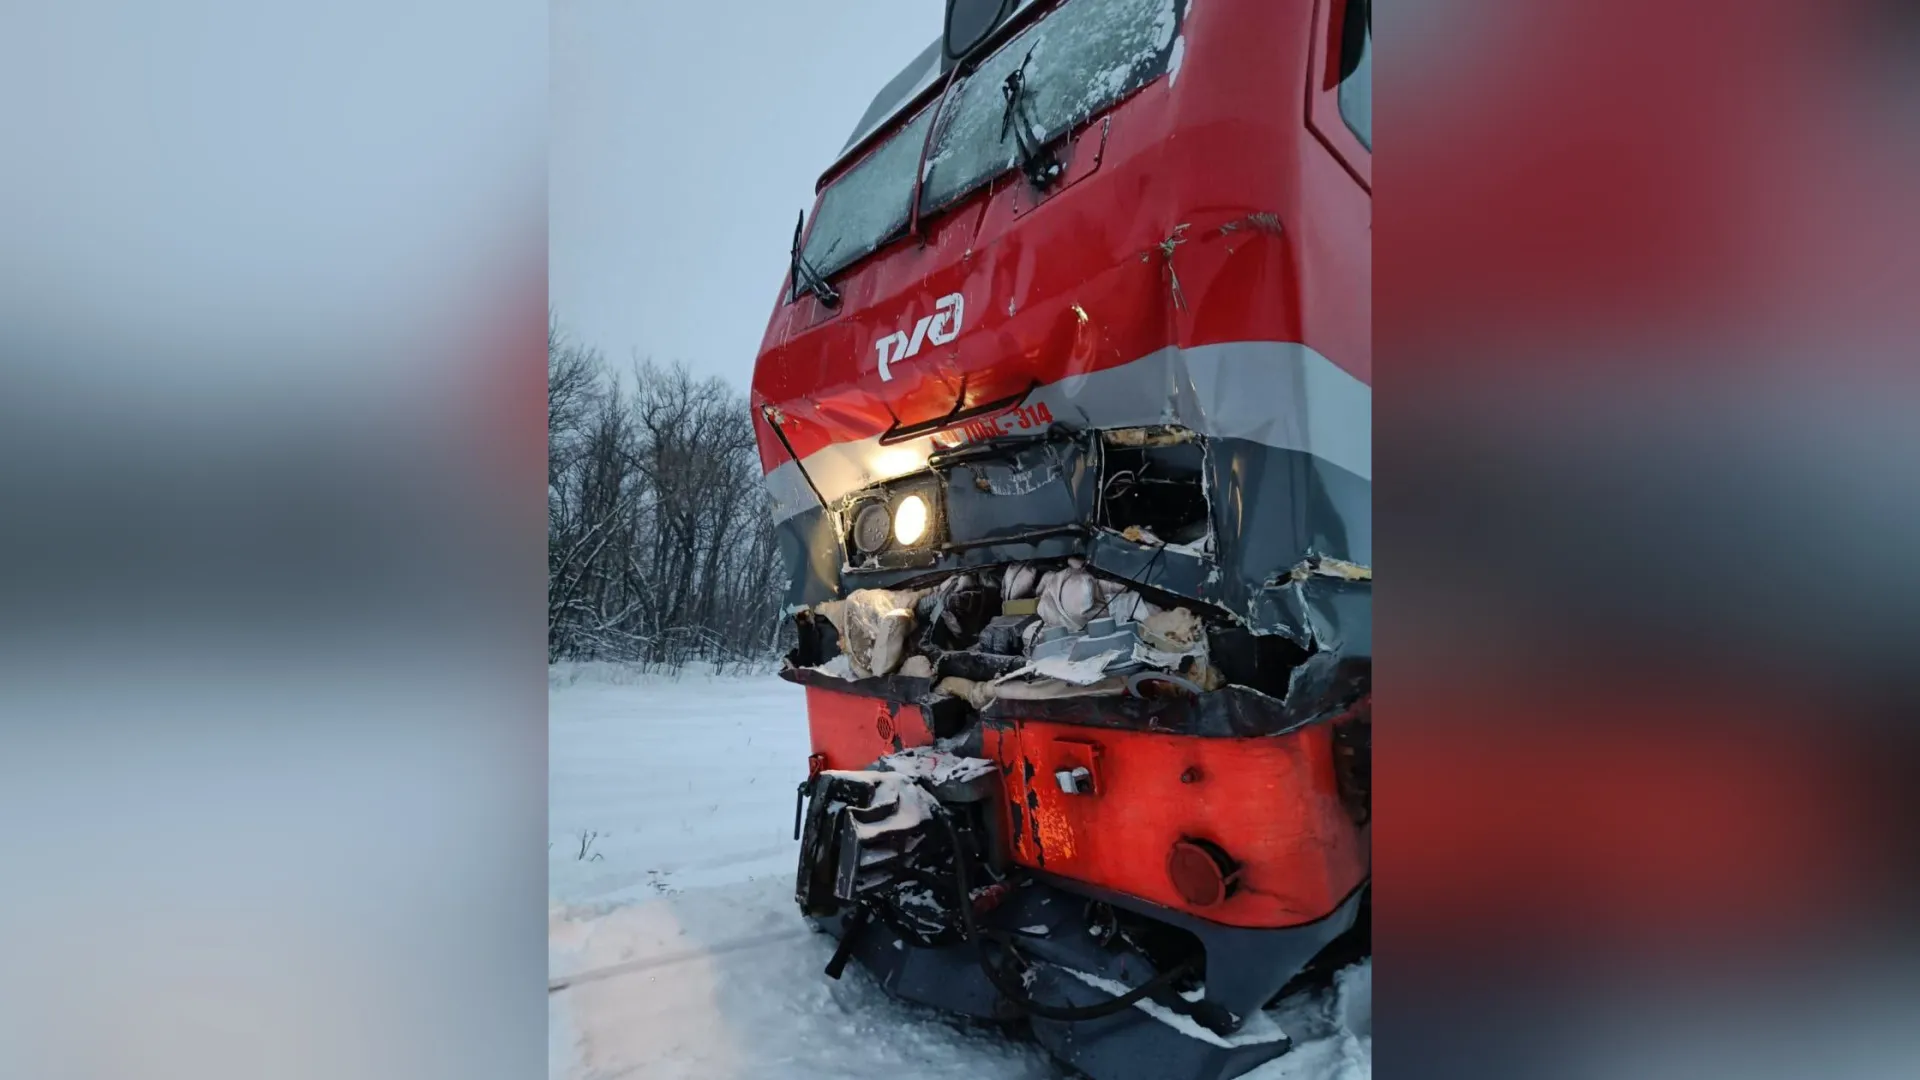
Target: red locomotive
(1066, 411)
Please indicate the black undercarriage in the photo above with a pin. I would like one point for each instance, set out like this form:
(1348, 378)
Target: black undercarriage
(1114, 986)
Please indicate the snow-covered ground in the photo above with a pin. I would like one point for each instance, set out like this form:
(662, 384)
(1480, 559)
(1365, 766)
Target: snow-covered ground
(674, 948)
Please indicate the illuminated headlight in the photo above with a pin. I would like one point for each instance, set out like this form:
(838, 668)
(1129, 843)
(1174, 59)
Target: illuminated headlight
(910, 518)
(893, 525)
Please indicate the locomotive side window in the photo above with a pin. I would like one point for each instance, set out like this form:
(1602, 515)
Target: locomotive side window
(1078, 61)
(1356, 69)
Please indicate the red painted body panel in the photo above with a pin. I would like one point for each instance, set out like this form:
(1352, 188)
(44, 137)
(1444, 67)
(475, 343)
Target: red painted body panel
(1084, 281)
(854, 731)
(1272, 804)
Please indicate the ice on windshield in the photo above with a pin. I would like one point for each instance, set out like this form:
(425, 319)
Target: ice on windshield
(1084, 56)
(869, 204)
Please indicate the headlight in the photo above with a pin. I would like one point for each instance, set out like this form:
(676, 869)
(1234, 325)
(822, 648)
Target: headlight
(910, 520)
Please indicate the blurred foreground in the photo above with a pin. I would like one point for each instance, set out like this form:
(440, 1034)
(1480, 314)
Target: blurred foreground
(1646, 340)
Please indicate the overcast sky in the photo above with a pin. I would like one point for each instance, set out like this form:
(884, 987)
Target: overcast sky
(686, 137)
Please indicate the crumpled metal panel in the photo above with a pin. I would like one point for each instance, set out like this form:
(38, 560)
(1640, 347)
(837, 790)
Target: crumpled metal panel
(1274, 511)
(1031, 489)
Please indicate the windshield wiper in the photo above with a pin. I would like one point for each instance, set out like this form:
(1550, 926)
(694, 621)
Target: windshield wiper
(1041, 167)
(801, 276)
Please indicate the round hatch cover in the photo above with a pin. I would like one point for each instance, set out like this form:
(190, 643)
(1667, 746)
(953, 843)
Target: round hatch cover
(871, 527)
(1201, 872)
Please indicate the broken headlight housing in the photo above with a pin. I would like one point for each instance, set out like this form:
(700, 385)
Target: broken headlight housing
(900, 524)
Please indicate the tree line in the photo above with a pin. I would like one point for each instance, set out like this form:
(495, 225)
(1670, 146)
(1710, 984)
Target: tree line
(660, 544)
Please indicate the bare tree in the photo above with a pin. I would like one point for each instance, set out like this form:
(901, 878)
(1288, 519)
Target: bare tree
(660, 546)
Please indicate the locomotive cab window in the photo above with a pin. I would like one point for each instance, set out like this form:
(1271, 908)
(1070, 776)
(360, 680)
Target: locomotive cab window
(1077, 62)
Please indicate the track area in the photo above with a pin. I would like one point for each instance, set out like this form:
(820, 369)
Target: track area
(674, 948)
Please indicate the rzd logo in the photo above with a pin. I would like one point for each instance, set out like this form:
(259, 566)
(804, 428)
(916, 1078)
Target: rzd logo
(940, 327)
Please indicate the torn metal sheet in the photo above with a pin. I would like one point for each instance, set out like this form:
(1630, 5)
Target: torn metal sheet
(1157, 435)
(1290, 554)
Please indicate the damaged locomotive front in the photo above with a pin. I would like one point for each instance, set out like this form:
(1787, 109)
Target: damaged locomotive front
(1068, 437)
(1019, 566)
(1046, 788)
